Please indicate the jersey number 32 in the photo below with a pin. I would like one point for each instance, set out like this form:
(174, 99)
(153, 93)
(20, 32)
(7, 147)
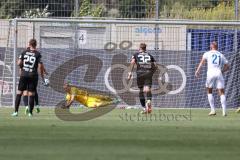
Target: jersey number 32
(144, 58)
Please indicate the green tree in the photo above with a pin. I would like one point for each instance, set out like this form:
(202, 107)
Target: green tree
(223, 11)
(188, 4)
(134, 8)
(85, 9)
(37, 13)
(16, 8)
(10, 9)
(88, 9)
(97, 11)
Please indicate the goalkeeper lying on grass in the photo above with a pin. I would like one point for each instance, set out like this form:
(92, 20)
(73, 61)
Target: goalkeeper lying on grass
(85, 98)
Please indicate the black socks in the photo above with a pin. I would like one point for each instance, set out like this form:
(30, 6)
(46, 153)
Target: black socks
(142, 98)
(31, 104)
(25, 100)
(17, 102)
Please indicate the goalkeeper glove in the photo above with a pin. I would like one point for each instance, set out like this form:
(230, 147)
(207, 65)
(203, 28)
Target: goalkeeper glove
(46, 82)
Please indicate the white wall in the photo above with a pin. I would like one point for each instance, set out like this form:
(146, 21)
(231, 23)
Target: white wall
(97, 35)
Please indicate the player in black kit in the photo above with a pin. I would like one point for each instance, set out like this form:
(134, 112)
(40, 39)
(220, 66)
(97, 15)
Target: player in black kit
(30, 63)
(146, 66)
(25, 95)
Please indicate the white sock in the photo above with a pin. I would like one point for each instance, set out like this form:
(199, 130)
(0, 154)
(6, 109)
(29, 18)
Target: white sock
(223, 102)
(211, 102)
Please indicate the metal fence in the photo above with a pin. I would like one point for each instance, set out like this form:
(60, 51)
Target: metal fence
(110, 8)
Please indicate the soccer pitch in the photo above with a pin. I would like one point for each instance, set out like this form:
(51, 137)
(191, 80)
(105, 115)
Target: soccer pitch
(121, 135)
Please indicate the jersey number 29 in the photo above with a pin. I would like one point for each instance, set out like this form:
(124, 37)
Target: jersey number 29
(29, 61)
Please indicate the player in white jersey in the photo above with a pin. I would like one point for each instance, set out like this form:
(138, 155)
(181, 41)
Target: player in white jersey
(217, 65)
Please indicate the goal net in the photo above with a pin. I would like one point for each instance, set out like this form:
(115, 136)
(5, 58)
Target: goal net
(94, 55)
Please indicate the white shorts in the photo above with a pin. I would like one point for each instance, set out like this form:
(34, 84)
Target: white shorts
(215, 81)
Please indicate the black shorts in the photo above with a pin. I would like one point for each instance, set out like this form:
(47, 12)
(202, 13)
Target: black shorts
(28, 83)
(144, 80)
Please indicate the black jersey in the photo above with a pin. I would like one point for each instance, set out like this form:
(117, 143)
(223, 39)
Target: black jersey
(144, 61)
(30, 60)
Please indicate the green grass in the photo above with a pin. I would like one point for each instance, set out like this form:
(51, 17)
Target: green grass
(115, 137)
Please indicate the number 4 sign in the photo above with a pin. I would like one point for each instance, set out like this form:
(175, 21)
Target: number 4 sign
(82, 37)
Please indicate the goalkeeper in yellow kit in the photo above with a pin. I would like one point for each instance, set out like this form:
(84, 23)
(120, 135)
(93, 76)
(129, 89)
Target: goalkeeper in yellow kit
(89, 100)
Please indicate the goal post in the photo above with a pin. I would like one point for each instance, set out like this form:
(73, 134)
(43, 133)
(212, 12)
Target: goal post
(95, 54)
